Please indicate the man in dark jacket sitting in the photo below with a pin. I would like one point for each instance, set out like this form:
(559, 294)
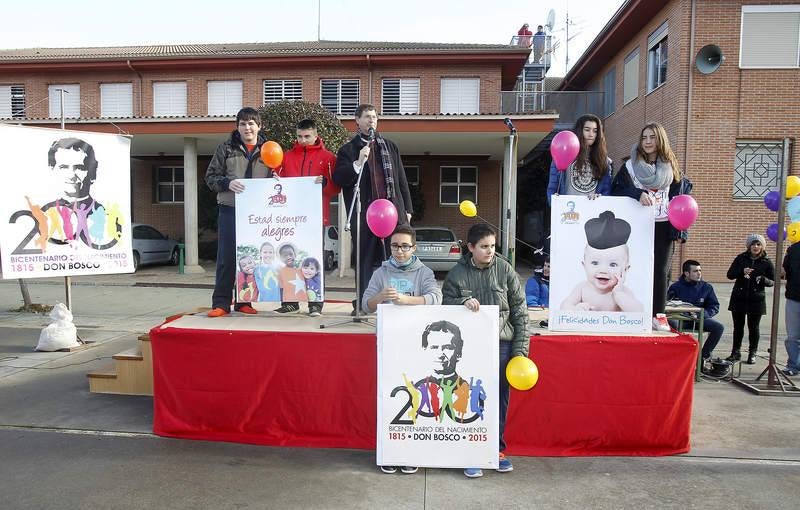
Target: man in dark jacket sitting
(691, 288)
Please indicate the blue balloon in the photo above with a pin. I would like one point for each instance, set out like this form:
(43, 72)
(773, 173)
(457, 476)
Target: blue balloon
(772, 232)
(793, 208)
(772, 200)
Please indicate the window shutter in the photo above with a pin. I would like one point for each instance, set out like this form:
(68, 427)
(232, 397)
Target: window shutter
(224, 97)
(340, 96)
(5, 101)
(390, 97)
(630, 86)
(279, 90)
(72, 101)
(169, 99)
(460, 95)
(116, 100)
(409, 96)
(770, 39)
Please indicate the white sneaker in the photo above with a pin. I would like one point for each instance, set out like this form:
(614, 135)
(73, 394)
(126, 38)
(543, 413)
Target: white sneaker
(660, 323)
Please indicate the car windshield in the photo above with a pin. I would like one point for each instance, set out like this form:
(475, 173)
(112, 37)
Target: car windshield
(435, 236)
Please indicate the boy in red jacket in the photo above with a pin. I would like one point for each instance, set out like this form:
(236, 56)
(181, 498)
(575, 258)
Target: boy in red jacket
(309, 157)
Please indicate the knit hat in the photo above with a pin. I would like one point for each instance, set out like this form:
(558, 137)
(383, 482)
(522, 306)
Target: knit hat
(606, 231)
(753, 238)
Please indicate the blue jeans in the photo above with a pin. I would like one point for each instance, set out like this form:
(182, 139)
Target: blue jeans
(792, 341)
(505, 389)
(713, 327)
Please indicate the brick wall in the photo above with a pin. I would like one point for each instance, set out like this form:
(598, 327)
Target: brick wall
(729, 105)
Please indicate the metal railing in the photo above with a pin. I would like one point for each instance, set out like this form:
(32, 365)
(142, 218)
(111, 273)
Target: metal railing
(568, 104)
(541, 48)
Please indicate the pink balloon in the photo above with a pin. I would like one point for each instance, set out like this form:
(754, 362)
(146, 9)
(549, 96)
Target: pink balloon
(382, 217)
(564, 149)
(682, 211)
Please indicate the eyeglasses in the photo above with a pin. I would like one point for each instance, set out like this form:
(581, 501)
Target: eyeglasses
(405, 248)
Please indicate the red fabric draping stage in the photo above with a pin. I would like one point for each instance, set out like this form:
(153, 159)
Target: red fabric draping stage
(596, 395)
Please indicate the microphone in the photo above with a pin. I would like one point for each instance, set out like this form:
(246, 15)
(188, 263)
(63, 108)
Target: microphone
(371, 134)
(510, 125)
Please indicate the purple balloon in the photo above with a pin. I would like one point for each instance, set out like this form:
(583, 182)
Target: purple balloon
(772, 200)
(772, 232)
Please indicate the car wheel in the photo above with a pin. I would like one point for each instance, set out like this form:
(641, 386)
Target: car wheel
(173, 259)
(135, 260)
(330, 263)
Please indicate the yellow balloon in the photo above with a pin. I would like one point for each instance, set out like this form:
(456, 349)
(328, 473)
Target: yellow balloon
(467, 208)
(792, 186)
(522, 373)
(793, 232)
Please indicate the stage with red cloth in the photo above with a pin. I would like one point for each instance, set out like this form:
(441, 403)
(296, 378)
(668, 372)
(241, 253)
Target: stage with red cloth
(243, 382)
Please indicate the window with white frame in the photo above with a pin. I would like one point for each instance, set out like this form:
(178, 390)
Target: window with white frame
(72, 101)
(458, 183)
(169, 99)
(770, 36)
(657, 58)
(630, 83)
(12, 101)
(399, 95)
(756, 169)
(224, 97)
(282, 90)
(412, 174)
(116, 100)
(460, 95)
(169, 184)
(340, 96)
(609, 91)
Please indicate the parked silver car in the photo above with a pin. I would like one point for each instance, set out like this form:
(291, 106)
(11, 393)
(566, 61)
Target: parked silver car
(152, 247)
(438, 248)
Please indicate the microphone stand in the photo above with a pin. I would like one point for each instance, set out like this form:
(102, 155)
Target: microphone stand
(355, 206)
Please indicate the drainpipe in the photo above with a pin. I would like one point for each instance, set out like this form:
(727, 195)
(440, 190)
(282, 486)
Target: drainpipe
(690, 69)
(369, 86)
(141, 112)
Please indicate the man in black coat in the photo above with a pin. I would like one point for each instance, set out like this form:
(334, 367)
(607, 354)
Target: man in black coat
(383, 177)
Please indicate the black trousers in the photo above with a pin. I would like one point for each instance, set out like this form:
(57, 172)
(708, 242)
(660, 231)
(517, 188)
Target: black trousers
(662, 261)
(753, 321)
(226, 259)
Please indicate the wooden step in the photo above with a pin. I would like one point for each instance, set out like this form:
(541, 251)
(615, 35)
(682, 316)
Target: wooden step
(132, 354)
(107, 373)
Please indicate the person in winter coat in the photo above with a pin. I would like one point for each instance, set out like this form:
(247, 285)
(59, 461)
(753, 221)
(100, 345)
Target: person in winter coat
(590, 173)
(481, 278)
(537, 289)
(753, 271)
(310, 158)
(690, 288)
(652, 177)
(236, 159)
(791, 271)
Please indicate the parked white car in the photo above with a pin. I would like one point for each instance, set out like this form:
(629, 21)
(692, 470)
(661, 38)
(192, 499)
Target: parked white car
(331, 247)
(152, 247)
(438, 248)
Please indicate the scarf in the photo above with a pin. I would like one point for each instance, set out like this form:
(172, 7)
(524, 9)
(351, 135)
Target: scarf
(407, 263)
(386, 166)
(658, 176)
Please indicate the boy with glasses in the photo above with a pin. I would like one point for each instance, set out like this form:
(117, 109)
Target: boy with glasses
(403, 279)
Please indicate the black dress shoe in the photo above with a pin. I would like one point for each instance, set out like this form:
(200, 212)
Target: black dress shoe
(735, 356)
(751, 359)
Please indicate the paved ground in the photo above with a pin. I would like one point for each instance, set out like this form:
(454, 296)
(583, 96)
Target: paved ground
(63, 447)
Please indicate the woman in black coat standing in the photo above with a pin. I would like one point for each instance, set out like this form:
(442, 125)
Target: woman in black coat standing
(753, 271)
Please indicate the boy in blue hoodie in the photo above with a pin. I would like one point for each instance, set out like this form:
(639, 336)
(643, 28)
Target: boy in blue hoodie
(690, 288)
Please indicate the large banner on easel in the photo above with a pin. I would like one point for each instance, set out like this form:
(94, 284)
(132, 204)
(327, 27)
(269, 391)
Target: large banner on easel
(601, 269)
(438, 386)
(65, 203)
(279, 241)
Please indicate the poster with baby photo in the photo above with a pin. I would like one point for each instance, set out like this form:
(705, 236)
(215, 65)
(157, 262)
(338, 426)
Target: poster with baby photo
(601, 271)
(279, 241)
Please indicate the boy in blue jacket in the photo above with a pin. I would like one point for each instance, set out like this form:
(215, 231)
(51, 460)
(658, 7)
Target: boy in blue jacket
(690, 288)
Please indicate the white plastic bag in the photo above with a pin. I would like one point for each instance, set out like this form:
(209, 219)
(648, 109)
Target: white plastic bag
(59, 334)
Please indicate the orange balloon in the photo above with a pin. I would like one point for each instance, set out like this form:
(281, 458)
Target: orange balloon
(272, 154)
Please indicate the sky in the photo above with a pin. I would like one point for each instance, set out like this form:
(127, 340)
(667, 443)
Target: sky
(145, 22)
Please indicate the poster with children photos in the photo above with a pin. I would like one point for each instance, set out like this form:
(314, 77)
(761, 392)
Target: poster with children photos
(279, 241)
(601, 271)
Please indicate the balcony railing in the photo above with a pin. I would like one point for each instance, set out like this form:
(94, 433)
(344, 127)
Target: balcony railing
(540, 45)
(568, 104)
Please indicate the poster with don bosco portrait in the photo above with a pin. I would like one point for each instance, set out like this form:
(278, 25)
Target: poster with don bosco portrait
(601, 275)
(279, 241)
(437, 386)
(65, 203)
